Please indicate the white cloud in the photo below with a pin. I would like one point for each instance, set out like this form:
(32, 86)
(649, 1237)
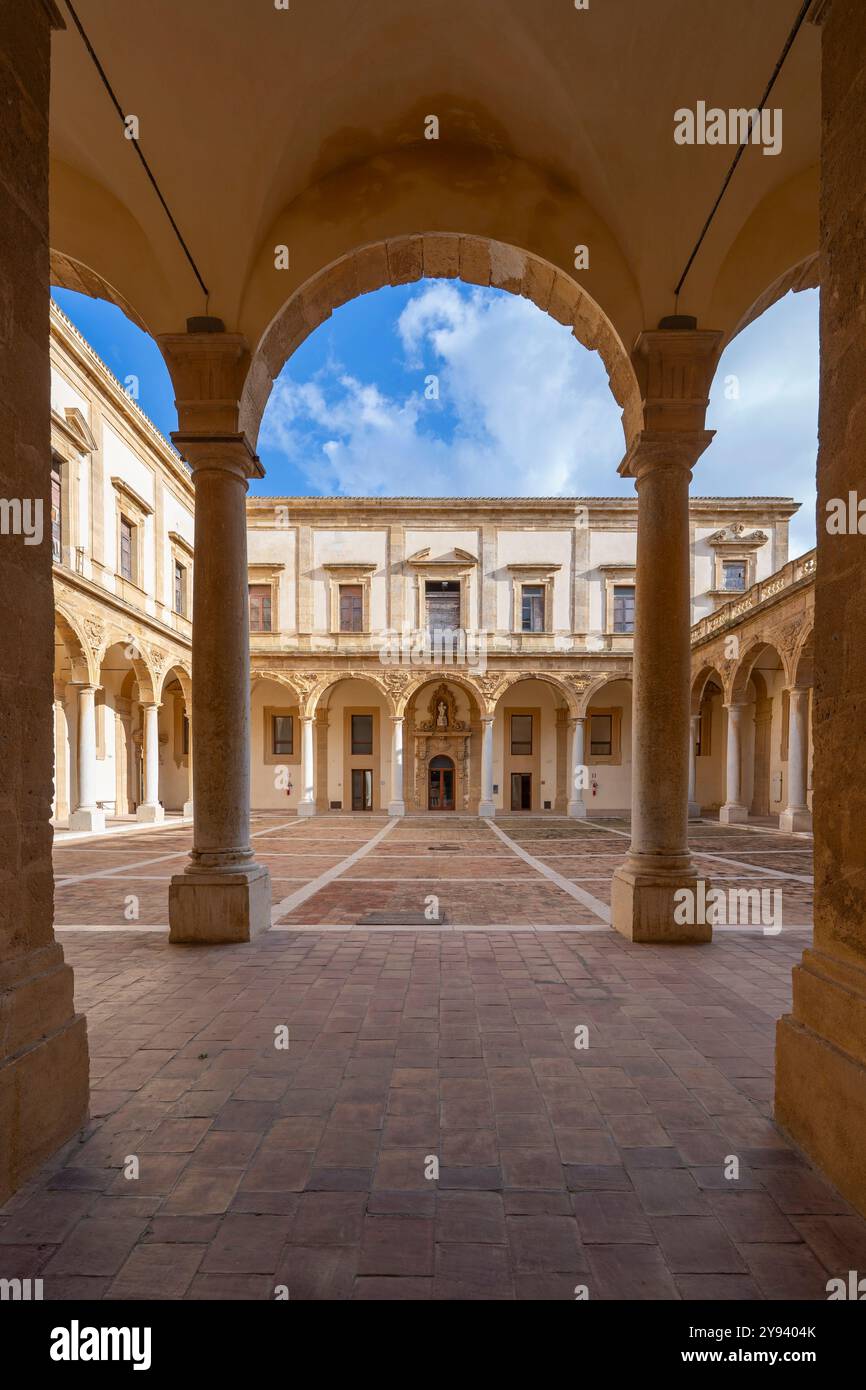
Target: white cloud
(522, 408)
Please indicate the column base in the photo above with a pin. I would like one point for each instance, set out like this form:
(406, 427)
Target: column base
(821, 1071)
(90, 818)
(306, 808)
(694, 810)
(733, 814)
(44, 1080)
(150, 812)
(645, 907)
(215, 908)
(577, 810)
(487, 809)
(396, 808)
(795, 818)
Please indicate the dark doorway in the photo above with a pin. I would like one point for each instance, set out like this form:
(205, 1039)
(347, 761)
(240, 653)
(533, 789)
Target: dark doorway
(362, 789)
(521, 791)
(441, 784)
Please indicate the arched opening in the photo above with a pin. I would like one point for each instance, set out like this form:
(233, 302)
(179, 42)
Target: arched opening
(175, 741)
(443, 719)
(477, 261)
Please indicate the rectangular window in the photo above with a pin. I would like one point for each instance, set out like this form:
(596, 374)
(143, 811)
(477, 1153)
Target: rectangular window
(260, 608)
(601, 735)
(443, 604)
(734, 575)
(521, 735)
(179, 587)
(184, 735)
(282, 735)
(351, 608)
(362, 733)
(126, 552)
(532, 608)
(623, 608)
(56, 521)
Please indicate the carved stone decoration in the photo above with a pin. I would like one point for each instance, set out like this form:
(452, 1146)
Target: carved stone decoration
(787, 636)
(491, 686)
(395, 682)
(443, 712)
(736, 535)
(157, 659)
(94, 629)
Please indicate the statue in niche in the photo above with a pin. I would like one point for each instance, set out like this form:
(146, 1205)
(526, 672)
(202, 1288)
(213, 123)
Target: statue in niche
(441, 715)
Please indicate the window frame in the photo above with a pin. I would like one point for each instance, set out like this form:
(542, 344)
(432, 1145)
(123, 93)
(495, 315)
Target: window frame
(516, 752)
(614, 758)
(269, 757)
(266, 597)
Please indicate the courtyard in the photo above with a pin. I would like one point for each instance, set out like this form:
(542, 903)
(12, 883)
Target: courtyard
(511, 1102)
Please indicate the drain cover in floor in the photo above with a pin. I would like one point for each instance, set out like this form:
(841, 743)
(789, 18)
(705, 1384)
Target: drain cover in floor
(449, 848)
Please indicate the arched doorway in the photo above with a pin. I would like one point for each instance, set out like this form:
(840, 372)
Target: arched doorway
(440, 783)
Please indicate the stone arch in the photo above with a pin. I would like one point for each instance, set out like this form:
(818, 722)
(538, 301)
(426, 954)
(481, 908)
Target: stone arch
(597, 685)
(311, 698)
(83, 660)
(476, 260)
(737, 688)
(470, 685)
(566, 692)
(700, 682)
(179, 670)
(141, 659)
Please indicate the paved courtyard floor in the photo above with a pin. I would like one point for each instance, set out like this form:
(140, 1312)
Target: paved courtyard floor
(431, 1130)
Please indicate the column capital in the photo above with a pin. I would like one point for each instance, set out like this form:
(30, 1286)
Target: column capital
(229, 453)
(208, 372)
(654, 449)
(675, 367)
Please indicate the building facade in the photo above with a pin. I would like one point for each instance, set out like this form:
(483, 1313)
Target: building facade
(463, 654)
(122, 541)
(407, 654)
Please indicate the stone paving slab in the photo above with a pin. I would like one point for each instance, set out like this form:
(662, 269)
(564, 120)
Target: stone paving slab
(432, 1130)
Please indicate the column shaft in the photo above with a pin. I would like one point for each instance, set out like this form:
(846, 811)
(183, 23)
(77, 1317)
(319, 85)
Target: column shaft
(486, 806)
(733, 810)
(307, 803)
(397, 805)
(796, 815)
(87, 815)
(576, 803)
(150, 809)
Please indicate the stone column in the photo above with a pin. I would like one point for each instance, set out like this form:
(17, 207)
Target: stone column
(576, 803)
(796, 815)
(43, 1042)
(307, 803)
(694, 804)
(223, 895)
(675, 364)
(485, 805)
(189, 804)
(397, 806)
(150, 809)
(87, 815)
(734, 810)
(821, 1044)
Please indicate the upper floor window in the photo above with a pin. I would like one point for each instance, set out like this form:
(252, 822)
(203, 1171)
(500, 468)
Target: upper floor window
(734, 574)
(351, 608)
(127, 542)
(362, 733)
(601, 735)
(179, 587)
(283, 734)
(532, 608)
(623, 608)
(443, 604)
(260, 608)
(521, 735)
(56, 515)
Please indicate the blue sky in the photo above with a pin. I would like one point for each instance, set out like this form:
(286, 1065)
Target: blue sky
(439, 388)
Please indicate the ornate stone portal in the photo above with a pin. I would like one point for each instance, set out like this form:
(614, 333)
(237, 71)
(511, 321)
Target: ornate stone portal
(442, 733)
